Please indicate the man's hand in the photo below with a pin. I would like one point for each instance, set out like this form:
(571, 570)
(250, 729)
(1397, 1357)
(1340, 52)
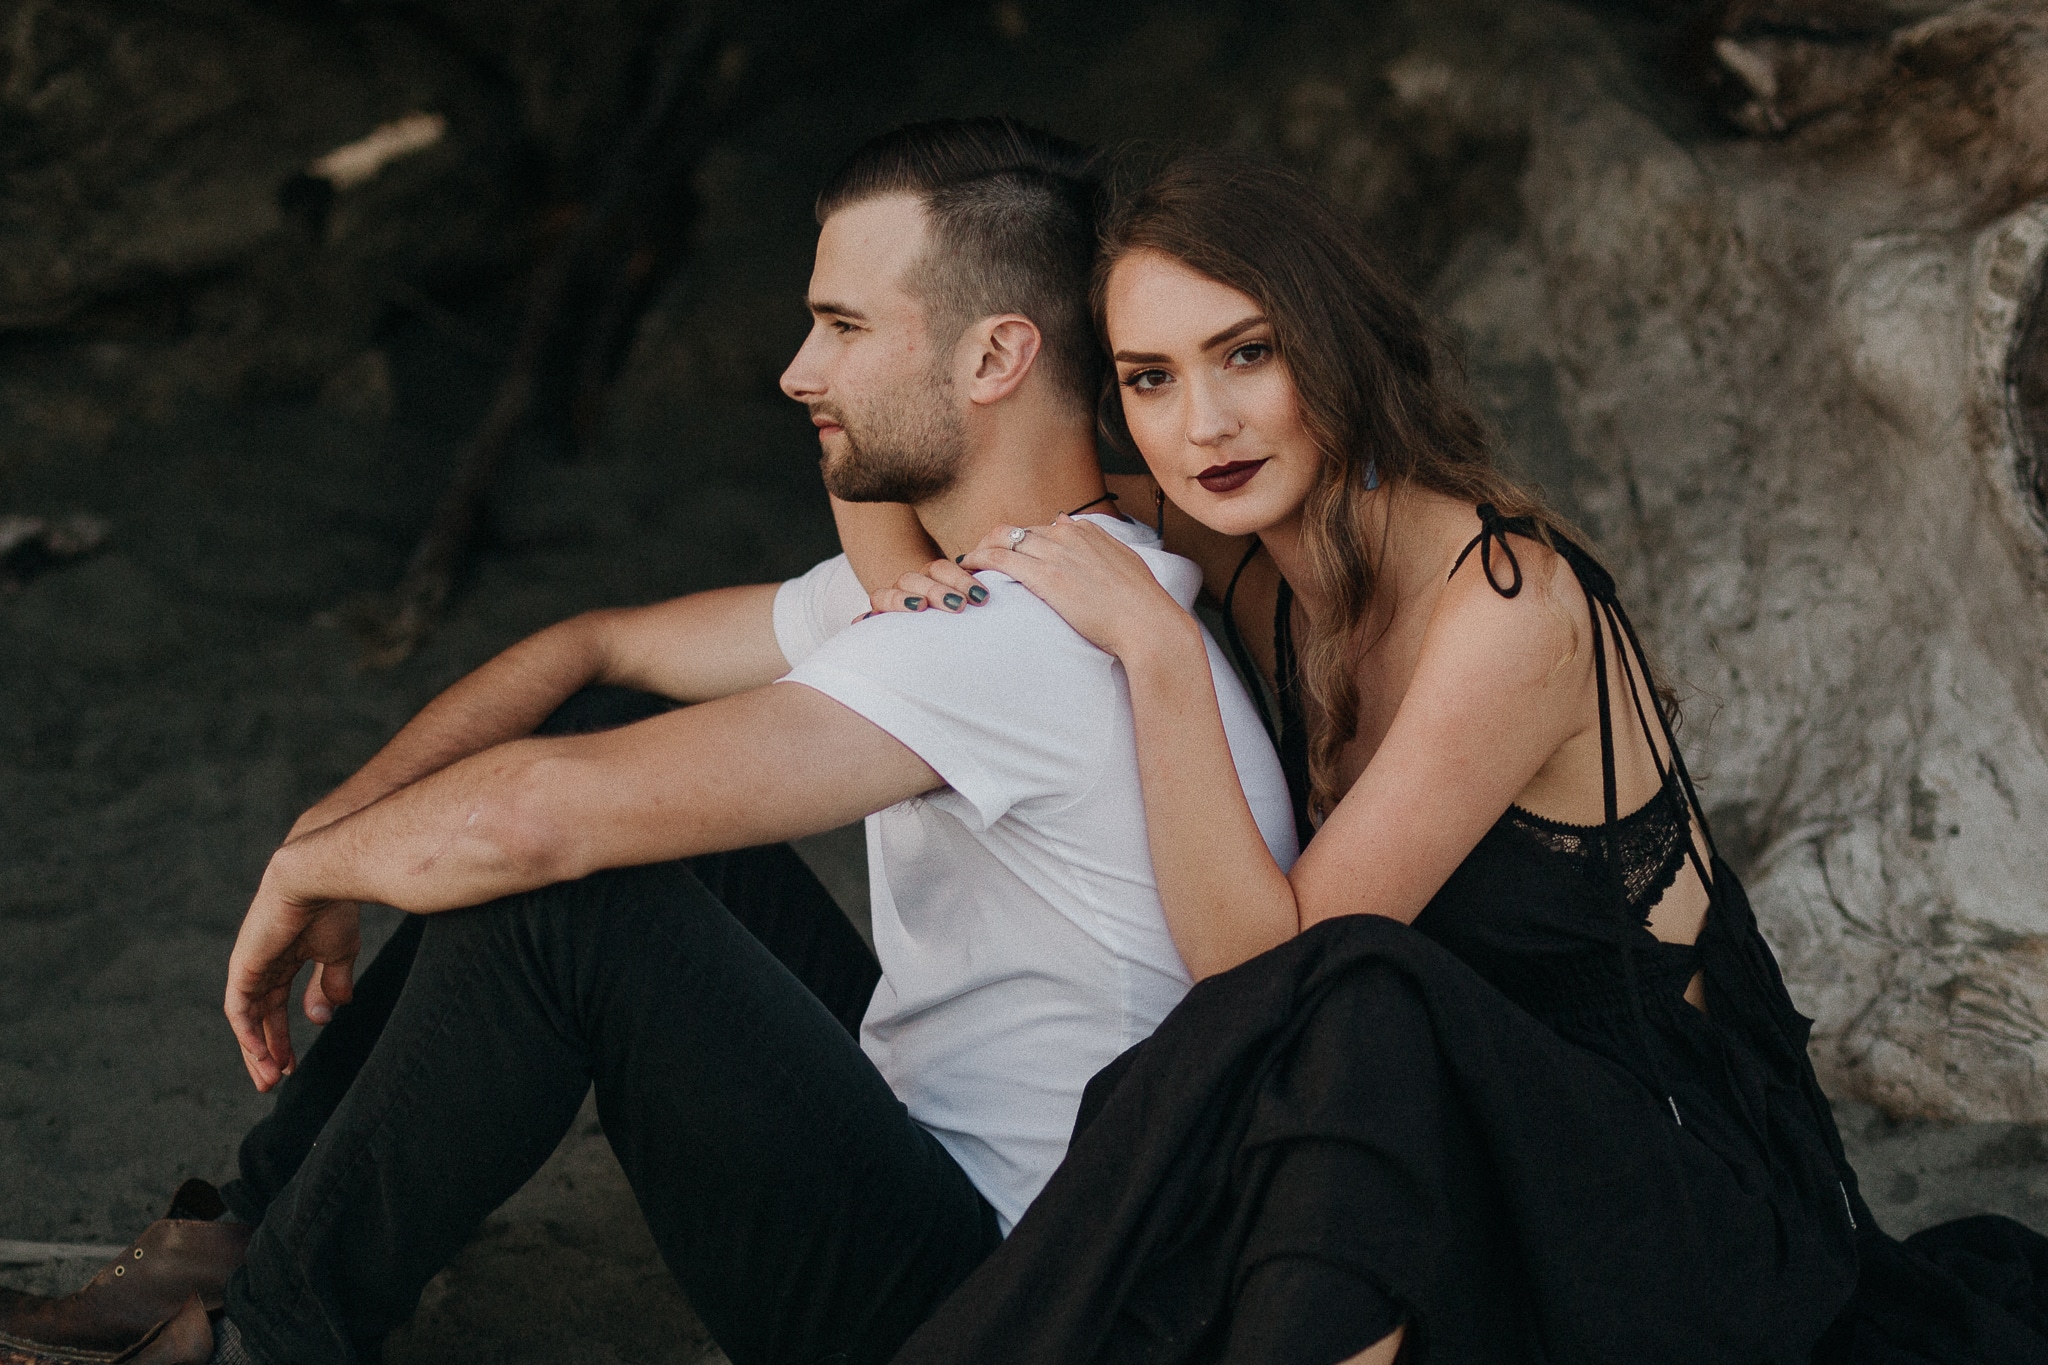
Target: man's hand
(279, 935)
(776, 763)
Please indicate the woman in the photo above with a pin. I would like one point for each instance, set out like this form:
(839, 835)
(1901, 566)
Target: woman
(1527, 1085)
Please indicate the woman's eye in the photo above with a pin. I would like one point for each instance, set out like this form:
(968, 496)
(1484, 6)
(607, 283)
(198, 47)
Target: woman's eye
(1251, 353)
(1144, 381)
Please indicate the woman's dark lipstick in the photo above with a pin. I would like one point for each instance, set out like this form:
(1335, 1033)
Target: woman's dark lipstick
(1227, 478)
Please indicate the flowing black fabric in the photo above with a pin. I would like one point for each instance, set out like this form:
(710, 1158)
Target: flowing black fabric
(1502, 1126)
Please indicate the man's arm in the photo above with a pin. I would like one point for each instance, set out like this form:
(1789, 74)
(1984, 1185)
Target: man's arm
(770, 764)
(706, 645)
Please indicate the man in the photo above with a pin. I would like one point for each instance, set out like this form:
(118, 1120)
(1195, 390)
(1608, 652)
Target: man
(815, 1197)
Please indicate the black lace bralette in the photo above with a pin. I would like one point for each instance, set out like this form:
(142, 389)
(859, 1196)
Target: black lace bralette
(1650, 844)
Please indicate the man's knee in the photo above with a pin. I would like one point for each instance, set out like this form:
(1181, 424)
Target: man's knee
(602, 913)
(603, 707)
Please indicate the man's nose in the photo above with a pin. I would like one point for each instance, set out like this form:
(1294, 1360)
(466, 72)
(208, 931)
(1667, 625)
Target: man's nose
(804, 380)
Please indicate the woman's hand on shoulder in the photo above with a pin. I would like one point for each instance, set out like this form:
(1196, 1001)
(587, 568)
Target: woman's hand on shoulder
(1101, 586)
(941, 585)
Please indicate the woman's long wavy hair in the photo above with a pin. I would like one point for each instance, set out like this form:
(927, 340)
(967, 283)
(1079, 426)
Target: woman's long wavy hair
(1375, 386)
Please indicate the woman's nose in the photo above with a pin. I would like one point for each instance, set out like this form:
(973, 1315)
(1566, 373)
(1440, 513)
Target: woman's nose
(1210, 420)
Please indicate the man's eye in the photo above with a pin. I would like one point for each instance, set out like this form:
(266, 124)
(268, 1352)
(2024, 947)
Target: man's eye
(1251, 353)
(1144, 381)
(842, 326)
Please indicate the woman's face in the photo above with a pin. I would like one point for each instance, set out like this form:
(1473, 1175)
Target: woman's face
(1206, 396)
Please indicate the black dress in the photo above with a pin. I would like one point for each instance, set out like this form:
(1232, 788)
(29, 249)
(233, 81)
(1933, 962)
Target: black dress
(1501, 1125)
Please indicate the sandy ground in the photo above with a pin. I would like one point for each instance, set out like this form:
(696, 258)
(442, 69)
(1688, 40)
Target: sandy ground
(167, 707)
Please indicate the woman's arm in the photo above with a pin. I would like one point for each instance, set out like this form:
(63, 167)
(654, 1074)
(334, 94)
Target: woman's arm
(1493, 698)
(1226, 900)
(900, 566)
(1501, 686)
(885, 539)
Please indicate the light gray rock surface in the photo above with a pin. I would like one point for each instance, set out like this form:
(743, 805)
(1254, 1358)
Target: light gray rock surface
(1782, 389)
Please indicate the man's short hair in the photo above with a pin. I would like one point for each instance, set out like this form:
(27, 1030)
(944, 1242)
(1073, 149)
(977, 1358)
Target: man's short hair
(1012, 212)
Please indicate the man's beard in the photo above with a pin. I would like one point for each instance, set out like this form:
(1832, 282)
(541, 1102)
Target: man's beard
(906, 451)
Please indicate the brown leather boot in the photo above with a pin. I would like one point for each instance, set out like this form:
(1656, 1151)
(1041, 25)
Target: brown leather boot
(141, 1307)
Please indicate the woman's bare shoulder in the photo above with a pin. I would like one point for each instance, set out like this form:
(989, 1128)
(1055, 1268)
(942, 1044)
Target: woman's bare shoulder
(1517, 603)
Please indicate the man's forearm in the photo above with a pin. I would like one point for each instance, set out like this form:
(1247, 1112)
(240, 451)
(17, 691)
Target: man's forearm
(503, 700)
(773, 764)
(709, 644)
(433, 843)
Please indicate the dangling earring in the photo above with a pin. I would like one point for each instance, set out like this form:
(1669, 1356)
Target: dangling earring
(1159, 510)
(1372, 475)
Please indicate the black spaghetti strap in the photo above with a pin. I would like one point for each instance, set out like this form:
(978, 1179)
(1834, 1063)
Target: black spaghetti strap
(1287, 727)
(1610, 799)
(1692, 796)
(1493, 530)
(1601, 600)
(1626, 646)
(1598, 588)
(1293, 744)
(1610, 870)
(1240, 655)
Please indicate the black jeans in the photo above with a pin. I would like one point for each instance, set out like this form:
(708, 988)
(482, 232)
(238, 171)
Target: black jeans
(712, 1003)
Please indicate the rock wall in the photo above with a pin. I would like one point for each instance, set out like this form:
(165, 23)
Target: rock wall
(155, 205)
(1790, 385)
(1782, 358)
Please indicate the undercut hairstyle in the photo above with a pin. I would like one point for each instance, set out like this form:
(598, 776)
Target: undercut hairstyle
(1011, 212)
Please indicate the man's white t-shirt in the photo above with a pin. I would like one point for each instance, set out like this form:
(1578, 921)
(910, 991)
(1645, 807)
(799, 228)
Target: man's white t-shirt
(1016, 918)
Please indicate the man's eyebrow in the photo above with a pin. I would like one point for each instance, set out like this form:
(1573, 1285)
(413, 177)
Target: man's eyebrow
(827, 308)
(1155, 358)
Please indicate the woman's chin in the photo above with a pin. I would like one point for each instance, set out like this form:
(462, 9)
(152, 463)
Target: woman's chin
(1230, 514)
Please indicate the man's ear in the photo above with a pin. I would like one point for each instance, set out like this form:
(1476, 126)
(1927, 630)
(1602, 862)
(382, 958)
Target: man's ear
(1003, 350)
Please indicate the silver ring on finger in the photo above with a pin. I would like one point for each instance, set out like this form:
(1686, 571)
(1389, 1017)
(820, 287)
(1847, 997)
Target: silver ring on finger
(1017, 534)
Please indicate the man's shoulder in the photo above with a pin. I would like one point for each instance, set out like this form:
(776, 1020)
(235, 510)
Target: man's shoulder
(1013, 622)
(815, 606)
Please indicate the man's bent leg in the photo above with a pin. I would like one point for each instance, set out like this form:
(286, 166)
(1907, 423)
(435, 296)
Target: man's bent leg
(274, 1147)
(768, 889)
(806, 1215)
(804, 1212)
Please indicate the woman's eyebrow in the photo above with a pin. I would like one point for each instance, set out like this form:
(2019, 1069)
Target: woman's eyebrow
(1155, 358)
(1234, 330)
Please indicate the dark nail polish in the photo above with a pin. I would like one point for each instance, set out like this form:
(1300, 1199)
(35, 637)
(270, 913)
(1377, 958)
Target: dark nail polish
(954, 601)
(957, 558)
(913, 604)
(977, 594)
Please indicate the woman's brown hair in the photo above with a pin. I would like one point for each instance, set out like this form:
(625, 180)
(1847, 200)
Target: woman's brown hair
(1375, 386)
